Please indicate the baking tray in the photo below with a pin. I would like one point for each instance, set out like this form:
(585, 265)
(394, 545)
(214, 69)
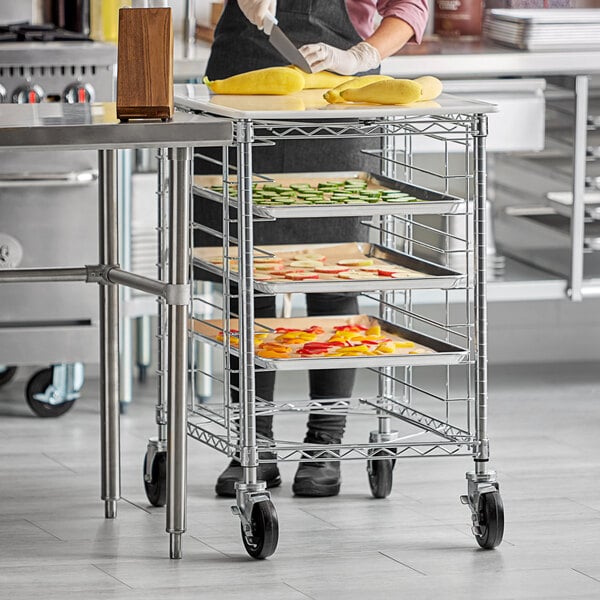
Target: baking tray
(429, 274)
(439, 352)
(432, 202)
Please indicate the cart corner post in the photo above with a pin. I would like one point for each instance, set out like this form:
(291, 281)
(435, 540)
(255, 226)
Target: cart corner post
(481, 449)
(483, 491)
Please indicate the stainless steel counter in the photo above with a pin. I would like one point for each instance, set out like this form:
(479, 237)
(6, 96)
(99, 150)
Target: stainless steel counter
(455, 59)
(95, 126)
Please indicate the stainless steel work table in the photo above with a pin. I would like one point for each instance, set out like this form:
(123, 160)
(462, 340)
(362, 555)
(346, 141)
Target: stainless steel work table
(94, 126)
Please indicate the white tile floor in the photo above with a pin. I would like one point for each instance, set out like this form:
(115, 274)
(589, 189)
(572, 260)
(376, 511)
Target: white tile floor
(545, 432)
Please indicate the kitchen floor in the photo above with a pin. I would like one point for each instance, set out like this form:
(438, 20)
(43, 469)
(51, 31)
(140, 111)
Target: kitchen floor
(545, 441)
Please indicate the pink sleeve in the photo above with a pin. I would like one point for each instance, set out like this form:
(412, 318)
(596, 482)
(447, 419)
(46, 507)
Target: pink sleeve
(414, 12)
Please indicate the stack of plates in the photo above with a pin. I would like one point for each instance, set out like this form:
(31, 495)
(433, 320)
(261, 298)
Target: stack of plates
(544, 28)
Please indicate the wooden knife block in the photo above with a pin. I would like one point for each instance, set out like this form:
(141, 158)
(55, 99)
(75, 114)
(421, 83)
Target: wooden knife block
(145, 64)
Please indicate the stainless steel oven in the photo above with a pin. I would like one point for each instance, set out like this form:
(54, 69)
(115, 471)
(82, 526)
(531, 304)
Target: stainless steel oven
(48, 207)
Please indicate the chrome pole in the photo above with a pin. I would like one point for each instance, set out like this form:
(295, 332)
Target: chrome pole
(249, 452)
(109, 334)
(189, 29)
(126, 373)
(481, 387)
(578, 189)
(162, 218)
(180, 162)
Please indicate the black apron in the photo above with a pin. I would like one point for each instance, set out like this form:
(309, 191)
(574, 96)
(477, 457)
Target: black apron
(239, 47)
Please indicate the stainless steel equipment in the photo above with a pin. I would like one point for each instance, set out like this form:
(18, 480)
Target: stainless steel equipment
(46, 199)
(548, 218)
(72, 128)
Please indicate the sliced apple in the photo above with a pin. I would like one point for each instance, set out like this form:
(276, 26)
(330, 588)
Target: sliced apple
(306, 264)
(355, 262)
(310, 256)
(266, 259)
(301, 275)
(355, 275)
(332, 269)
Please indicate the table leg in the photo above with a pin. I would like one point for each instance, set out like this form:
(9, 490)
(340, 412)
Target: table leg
(109, 335)
(180, 162)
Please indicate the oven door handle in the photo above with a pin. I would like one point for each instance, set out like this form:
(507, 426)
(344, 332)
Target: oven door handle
(48, 179)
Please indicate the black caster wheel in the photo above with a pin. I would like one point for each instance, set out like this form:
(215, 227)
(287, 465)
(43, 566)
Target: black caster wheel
(156, 489)
(6, 374)
(380, 477)
(38, 384)
(265, 531)
(491, 520)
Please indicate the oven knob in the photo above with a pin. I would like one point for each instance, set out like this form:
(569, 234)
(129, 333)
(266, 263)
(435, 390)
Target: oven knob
(79, 92)
(2, 94)
(28, 94)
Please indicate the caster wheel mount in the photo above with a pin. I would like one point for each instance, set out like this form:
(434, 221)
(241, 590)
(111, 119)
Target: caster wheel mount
(262, 541)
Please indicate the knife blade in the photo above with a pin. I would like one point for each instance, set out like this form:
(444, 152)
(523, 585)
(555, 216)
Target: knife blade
(283, 44)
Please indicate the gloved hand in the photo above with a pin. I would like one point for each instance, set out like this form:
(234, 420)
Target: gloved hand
(359, 58)
(255, 10)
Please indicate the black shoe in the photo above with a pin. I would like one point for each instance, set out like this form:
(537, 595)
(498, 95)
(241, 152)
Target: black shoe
(317, 479)
(225, 487)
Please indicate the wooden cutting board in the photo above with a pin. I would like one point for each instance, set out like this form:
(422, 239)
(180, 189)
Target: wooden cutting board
(145, 64)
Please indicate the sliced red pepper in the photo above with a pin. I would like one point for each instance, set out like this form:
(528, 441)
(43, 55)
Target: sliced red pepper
(310, 352)
(310, 345)
(315, 329)
(350, 328)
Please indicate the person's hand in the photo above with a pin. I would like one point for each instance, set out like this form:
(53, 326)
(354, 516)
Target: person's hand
(255, 10)
(359, 58)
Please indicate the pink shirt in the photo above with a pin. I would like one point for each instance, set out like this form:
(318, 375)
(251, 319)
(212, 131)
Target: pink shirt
(362, 14)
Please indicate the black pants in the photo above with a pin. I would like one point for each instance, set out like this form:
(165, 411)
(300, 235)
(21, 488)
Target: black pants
(323, 383)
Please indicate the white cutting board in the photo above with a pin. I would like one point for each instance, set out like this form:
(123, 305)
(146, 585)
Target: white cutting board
(309, 104)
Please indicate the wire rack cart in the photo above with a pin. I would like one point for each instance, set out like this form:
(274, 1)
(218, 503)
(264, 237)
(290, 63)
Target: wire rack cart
(434, 154)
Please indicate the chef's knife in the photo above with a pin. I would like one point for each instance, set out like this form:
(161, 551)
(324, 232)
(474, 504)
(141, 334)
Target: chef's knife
(283, 44)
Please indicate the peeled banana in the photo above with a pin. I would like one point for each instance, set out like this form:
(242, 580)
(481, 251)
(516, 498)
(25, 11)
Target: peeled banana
(389, 91)
(276, 81)
(333, 95)
(431, 87)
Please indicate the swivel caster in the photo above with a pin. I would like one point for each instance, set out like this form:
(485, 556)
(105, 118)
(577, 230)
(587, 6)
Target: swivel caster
(487, 510)
(262, 541)
(52, 392)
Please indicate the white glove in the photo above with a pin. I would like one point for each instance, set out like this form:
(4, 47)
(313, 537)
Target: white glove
(359, 58)
(255, 10)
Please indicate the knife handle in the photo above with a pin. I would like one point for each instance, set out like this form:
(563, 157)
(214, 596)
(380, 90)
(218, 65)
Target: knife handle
(268, 22)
